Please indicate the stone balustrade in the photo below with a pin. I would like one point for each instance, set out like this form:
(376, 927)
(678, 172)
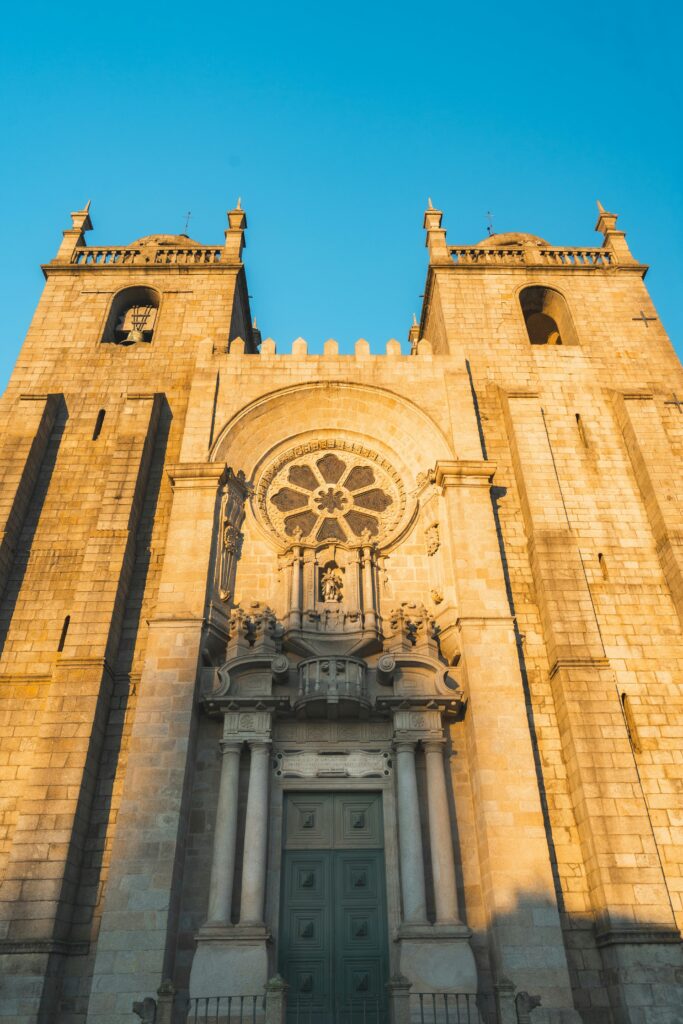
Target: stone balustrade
(549, 256)
(332, 677)
(91, 256)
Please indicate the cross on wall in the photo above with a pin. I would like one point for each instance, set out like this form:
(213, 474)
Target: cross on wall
(644, 318)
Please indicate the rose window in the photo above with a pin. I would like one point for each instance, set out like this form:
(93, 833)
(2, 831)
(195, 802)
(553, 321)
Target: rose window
(346, 496)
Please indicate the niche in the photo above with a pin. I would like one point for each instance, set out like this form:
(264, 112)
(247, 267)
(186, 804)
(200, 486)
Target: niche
(547, 317)
(330, 583)
(132, 316)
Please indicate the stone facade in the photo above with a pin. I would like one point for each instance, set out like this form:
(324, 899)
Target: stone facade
(423, 604)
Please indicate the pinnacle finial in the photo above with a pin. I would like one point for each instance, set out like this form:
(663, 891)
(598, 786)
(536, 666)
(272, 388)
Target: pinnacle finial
(601, 208)
(415, 323)
(239, 203)
(86, 208)
(429, 204)
(255, 325)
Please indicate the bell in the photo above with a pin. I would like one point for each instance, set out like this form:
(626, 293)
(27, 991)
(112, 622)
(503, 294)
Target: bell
(134, 336)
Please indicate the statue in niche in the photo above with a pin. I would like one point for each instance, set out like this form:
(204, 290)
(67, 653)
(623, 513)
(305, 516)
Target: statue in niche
(331, 586)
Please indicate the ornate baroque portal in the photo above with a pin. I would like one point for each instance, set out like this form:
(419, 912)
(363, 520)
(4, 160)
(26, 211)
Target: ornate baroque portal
(337, 696)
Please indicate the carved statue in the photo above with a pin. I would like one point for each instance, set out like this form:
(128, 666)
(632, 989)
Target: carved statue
(524, 1004)
(331, 585)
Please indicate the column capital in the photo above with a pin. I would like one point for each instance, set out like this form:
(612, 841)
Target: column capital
(230, 746)
(259, 742)
(405, 744)
(434, 744)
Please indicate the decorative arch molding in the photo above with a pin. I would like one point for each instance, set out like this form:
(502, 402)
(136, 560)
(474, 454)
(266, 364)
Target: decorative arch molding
(280, 418)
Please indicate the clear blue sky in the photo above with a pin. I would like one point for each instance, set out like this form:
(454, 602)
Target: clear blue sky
(335, 122)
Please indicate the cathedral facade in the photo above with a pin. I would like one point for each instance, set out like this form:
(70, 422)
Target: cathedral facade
(342, 689)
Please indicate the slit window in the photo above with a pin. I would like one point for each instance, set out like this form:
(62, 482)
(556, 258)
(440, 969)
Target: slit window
(65, 630)
(603, 565)
(581, 430)
(98, 424)
(631, 727)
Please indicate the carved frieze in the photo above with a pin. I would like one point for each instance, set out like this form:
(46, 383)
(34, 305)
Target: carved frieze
(347, 764)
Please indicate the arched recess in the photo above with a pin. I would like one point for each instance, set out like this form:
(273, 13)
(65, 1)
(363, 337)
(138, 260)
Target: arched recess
(547, 317)
(396, 428)
(132, 316)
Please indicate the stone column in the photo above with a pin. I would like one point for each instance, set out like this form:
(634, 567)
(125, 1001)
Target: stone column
(255, 836)
(295, 582)
(369, 603)
(440, 839)
(225, 837)
(410, 840)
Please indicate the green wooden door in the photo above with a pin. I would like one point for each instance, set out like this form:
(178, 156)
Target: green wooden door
(333, 932)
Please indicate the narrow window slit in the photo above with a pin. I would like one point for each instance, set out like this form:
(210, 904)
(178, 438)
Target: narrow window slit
(98, 424)
(582, 432)
(65, 630)
(631, 727)
(603, 565)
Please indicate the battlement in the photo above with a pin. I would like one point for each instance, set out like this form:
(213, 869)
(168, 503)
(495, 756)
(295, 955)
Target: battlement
(299, 350)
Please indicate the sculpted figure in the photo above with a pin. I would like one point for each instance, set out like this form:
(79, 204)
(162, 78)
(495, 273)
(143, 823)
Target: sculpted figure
(331, 585)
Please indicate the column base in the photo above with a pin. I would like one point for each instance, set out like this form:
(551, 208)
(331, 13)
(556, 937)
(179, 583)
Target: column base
(230, 960)
(437, 957)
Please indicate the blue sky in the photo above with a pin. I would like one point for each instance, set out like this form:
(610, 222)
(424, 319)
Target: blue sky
(334, 123)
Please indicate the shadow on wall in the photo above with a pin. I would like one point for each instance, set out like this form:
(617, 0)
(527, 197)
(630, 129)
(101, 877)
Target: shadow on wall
(637, 982)
(22, 554)
(78, 972)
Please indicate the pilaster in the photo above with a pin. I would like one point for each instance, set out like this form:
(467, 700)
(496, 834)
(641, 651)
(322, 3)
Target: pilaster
(525, 937)
(143, 892)
(627, 888)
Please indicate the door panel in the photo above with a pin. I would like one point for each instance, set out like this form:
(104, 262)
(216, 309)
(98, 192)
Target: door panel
(333, 937)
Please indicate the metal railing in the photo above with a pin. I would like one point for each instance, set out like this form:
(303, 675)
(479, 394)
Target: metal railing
(226, 1010)
(370, 1010)
(443, 1008)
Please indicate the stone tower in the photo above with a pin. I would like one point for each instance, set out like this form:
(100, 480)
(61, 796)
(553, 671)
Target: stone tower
(360, 670)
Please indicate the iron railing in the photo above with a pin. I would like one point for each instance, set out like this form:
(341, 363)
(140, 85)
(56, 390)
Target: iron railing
(443, 1008)
(226, 1010)
(366, 1010)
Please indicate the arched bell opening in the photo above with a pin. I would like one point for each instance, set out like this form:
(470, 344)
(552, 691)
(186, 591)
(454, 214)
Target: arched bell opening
(547, 317)
(132, 316)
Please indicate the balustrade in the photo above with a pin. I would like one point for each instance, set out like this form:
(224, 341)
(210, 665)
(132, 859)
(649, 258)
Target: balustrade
(164, 255)
(555, 257)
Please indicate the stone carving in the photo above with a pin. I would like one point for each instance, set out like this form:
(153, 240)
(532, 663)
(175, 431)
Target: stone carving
(146, 1010)
(235, 494)
(342, 494)
(436, 595)
(312, 764)
(331, 585)
(432, 538)
(524, 1004)
(412, 625)
(256, 628)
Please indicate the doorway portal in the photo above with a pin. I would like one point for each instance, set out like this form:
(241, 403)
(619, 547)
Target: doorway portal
(333, 935)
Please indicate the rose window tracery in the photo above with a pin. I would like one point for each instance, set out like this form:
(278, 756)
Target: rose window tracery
(348, 495)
